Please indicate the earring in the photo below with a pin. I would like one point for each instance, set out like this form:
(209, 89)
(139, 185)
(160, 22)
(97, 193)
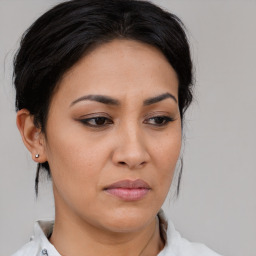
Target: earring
(37, 155)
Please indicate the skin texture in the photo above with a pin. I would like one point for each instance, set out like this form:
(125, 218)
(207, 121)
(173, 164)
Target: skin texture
(130, 143)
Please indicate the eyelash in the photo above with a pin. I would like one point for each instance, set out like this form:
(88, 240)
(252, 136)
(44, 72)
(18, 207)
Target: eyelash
(107, 121)
(165, 119)
(95, 119)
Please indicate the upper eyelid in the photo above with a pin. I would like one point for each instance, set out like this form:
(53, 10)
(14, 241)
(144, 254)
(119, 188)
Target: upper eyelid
(111, 120)
(105, 115)
(157, 114)
(163, 116)
(86, 121)
(167, 118)
(114, 115)
(91, 116)
(95, 115)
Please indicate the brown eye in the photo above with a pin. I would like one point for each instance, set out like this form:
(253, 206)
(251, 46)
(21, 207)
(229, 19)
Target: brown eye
(96, 121)
(100, 120)
(159, 120)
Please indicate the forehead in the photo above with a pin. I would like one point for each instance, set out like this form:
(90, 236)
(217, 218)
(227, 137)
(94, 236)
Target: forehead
(121, 67)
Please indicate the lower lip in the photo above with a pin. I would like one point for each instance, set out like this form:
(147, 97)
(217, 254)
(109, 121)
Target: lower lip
(128, 194)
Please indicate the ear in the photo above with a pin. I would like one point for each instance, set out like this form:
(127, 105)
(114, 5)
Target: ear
(32, 136)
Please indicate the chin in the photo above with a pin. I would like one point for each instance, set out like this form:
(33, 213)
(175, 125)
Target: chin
(128, 220)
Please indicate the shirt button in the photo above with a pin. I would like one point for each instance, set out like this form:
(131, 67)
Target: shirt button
(44, 252)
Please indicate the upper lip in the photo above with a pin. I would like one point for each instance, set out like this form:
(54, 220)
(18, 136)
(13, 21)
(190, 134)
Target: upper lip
(129, 184)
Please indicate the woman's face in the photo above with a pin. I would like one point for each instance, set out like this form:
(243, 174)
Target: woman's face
(113, 136)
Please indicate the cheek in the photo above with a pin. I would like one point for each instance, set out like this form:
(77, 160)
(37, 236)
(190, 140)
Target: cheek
(74, 162)
(167, 147)
(165, 156)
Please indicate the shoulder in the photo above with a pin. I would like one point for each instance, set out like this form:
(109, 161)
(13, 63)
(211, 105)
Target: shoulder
(32, 249)
(182, 247)
(186, 248)
(179, 246)
(39, 244)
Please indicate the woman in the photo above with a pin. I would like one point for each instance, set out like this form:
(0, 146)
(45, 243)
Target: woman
(102, 88)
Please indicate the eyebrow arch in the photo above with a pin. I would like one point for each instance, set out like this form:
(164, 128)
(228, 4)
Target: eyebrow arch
(159, 98)
(99, 98)
(110, 101)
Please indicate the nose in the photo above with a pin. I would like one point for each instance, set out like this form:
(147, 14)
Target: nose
(131, 149)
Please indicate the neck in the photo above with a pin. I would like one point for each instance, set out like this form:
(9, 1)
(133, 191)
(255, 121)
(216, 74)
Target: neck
(73, 237)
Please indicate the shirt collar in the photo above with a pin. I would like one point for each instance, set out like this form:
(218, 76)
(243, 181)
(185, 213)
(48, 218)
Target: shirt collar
(43, 230)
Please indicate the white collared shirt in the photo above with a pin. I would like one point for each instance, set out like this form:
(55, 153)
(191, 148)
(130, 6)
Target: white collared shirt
(39, 244)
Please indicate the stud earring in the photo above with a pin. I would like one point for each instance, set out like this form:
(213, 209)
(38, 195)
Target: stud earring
(37, 155)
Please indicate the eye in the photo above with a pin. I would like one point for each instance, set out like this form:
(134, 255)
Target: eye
(99, 121)
(158, 120)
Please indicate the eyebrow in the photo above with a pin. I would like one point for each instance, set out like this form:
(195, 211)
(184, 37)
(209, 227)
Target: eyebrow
(158, 98)
(99, 98)
(110, 101)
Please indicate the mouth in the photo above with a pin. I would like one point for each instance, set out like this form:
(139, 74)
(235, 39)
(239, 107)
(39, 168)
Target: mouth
(128, 190)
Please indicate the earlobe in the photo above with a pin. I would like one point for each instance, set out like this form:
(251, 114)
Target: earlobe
(31, 135)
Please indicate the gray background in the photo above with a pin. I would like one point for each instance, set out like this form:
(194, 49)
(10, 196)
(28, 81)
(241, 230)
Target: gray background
(217, 204)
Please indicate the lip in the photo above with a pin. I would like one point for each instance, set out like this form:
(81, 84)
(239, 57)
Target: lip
(128, 190)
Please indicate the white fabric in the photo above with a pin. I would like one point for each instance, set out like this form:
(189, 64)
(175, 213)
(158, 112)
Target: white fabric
(175, 246)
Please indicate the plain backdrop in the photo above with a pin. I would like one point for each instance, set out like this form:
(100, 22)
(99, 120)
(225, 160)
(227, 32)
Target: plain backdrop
(217, 204)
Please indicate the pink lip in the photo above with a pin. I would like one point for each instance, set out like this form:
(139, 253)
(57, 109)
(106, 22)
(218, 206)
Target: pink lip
(128, 190)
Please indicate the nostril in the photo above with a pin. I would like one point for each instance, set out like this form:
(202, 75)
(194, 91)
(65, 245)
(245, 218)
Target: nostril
(124, 163)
